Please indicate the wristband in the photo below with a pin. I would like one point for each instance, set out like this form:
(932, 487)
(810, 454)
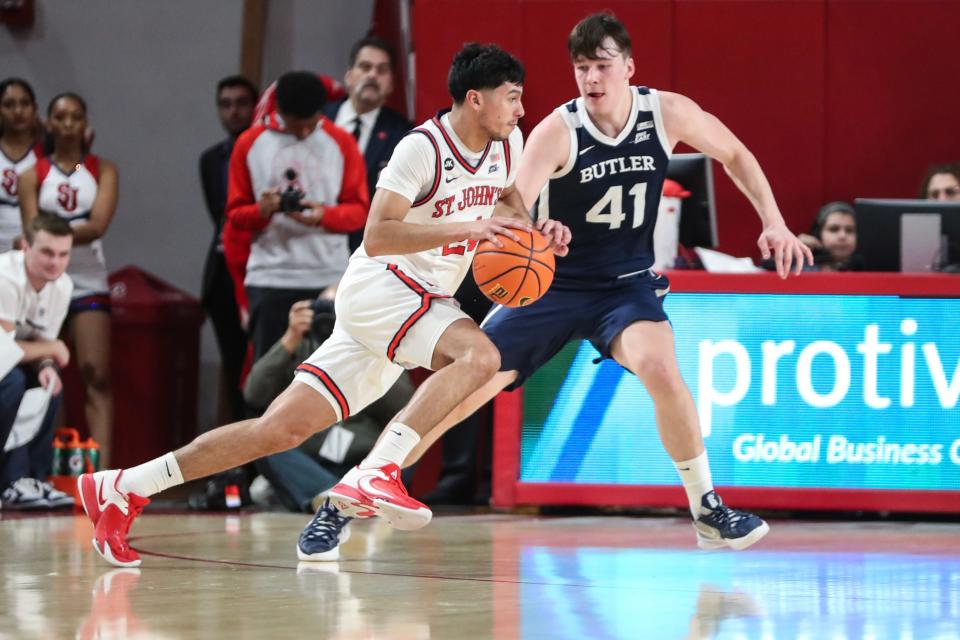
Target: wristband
(47, 362)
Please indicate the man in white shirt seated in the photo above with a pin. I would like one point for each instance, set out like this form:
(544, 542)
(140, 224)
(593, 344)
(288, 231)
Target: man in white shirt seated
(34, 297)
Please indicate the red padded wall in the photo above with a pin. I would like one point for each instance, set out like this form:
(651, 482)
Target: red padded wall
(836, 98)
(536, 32)
(892, 93)
(758, 68)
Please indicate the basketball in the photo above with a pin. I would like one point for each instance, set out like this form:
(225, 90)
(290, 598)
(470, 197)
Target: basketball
(516, 274)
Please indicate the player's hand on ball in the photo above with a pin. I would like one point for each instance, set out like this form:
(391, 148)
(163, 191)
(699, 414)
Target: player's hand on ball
(490, 228)
(557, 233)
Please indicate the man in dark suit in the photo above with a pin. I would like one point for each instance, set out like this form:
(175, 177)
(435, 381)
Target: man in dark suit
(378, 129)
(236, 97)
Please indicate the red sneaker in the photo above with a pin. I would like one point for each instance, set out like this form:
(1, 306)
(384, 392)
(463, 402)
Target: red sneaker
(112, 514)
(378, 492)
(93, 489)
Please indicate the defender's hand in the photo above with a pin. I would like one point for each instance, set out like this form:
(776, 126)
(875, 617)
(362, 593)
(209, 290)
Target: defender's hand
(810, 241)
(788, 252)
(558, 234)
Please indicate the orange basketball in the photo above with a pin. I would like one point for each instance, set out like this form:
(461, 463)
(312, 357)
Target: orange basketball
(517, 274)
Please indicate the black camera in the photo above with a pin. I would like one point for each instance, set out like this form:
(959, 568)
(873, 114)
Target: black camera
(324, 317)
(291, 198)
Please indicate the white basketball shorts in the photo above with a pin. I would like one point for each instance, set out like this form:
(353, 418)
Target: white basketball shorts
(387, 320)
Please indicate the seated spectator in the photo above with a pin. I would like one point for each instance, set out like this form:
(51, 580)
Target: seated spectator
(833, 239)
(34, 296)
(81, 188)
(942, 182)
(299, 244)
(298, 476)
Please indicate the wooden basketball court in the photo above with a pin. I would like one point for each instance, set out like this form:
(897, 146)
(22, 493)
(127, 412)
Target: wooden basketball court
(480, 576)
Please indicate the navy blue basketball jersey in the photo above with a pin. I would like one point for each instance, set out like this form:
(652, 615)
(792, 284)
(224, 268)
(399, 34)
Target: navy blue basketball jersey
(608, 191)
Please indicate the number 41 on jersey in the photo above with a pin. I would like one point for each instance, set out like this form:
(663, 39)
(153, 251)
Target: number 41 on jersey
(613, 199)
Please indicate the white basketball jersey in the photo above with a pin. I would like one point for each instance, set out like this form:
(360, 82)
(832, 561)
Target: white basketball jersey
(446, 184)
(11, 224)
(71, 197)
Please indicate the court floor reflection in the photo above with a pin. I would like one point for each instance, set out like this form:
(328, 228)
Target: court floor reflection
(488, 576)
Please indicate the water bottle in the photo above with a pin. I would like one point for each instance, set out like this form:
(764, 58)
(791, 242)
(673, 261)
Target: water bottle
(58, 459)
(74, 459)
(92, 459)
(66, 443)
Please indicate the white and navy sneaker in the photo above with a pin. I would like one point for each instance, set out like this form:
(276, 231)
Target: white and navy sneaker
(56, 499)
(23, 494)
(321, 539)
(720, 526)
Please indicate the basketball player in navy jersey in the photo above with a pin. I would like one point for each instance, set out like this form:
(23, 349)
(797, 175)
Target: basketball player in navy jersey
(597, 164)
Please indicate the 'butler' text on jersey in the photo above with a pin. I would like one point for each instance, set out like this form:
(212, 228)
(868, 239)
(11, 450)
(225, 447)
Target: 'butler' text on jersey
(608, 191)
(615, 166)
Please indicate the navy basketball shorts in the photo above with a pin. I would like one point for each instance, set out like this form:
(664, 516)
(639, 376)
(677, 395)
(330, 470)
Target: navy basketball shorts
(528, 337)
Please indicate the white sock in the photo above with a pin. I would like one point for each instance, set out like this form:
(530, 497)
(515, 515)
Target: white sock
(695, 474)
(394, 447)
(151, 477)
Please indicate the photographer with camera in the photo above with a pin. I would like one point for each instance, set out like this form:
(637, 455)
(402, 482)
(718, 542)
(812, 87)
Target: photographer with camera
(298, 182)
(299, 475)
(272, 372)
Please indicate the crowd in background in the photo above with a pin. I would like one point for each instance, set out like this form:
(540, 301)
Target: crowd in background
(287, 191)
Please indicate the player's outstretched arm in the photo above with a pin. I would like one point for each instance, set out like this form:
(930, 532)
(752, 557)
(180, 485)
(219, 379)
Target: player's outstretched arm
(686, 122)
(546, 150)
(386, 233)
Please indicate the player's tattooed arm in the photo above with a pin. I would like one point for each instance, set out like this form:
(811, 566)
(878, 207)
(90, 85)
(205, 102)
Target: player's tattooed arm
(686, 122)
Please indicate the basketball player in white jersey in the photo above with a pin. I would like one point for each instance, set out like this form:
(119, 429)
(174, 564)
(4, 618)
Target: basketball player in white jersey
(434, 203)
(18, 152)
(81, 188)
